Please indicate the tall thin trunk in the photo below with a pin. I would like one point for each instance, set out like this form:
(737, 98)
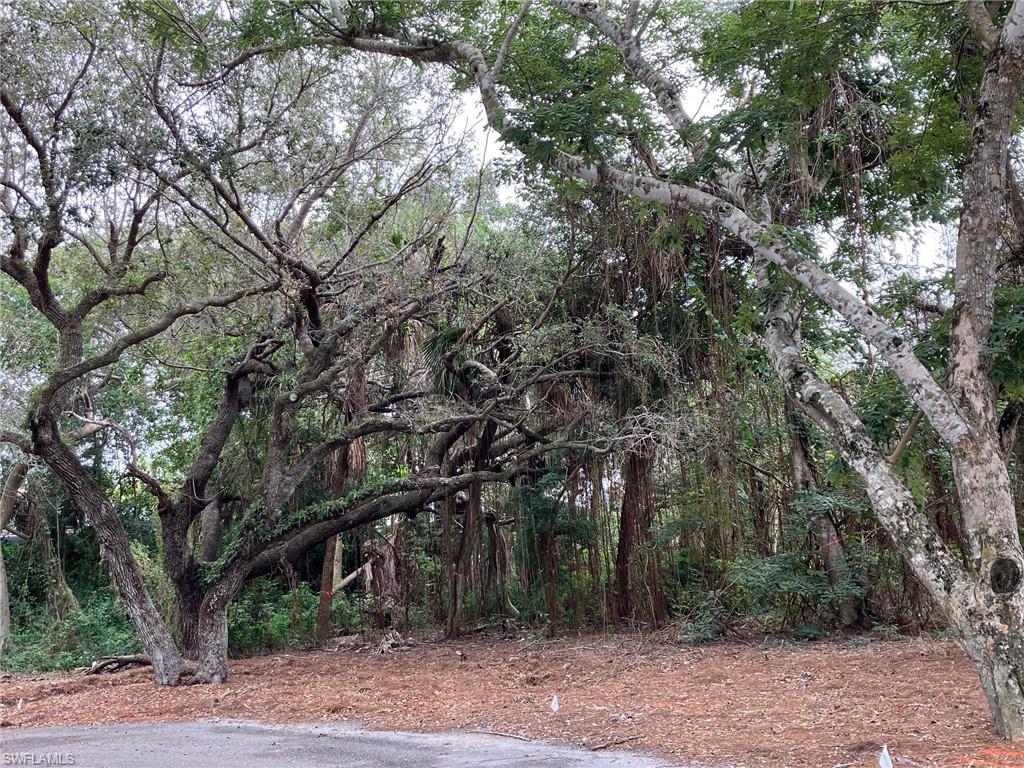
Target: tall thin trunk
(826, 535)
(7, 500)
(637, 572)
(323, 612)
(338, 574)
(596, 477)
(460, 577)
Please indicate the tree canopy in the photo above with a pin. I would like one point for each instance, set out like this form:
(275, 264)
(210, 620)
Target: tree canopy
(270, 316)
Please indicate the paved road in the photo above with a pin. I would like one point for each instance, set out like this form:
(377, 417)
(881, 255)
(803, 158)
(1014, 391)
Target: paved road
(239, 744)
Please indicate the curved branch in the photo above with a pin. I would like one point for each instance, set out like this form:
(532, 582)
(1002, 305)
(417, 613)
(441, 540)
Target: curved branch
(64, 376)
(894, 505)
(984, 30)
(664, 90)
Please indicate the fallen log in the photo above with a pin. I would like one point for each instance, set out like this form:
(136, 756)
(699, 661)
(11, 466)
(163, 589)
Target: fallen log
(117, 663)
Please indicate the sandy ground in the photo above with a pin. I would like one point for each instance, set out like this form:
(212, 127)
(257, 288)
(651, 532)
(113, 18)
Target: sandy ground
(822, 705)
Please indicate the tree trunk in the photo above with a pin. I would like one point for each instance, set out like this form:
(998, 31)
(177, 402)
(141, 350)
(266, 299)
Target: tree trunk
(825, 532)
(991, 618)
(471, 524)
(115, 551)
(323, 612)
(596, 476)
(213, 630)
(637, 571)
(181, 568)
(211, 528)
(998, 654)
(462, 563)
(338, 576)
(7, 499)
(60, 597)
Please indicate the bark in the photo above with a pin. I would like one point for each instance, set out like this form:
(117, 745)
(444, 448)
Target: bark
(115, 551)
(213, 629)
(211, 528)
(181, 566)
(7, 500)
(638, 592)
(383, 577)
(323, 612)
(337, 577)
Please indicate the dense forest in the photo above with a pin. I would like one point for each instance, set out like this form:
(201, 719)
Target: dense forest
(433, 318)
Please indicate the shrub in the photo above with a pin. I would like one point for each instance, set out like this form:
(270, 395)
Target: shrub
(39, 643)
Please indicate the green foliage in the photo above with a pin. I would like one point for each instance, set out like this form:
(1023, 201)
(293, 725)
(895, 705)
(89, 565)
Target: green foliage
(658, 307)
(40, 643)
(265, 617)
(707, 623)
(1006, 343)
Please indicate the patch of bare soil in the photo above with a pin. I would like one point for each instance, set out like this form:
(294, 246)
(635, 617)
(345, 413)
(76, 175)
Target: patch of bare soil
(823, 705)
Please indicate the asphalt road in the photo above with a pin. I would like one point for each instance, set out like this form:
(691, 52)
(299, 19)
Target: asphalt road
(237, 744)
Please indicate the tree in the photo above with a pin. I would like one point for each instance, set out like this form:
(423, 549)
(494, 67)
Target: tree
(985, 600)
(325, 244)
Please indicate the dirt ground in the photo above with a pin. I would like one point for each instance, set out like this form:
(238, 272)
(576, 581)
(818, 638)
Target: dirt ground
(822, 705)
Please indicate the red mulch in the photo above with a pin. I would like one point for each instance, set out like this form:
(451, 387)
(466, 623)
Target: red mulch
(821, 705)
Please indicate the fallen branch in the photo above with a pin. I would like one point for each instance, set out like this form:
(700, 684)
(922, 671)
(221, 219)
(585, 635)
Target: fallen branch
(117, 663)
(496, 733)
(617, 742)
